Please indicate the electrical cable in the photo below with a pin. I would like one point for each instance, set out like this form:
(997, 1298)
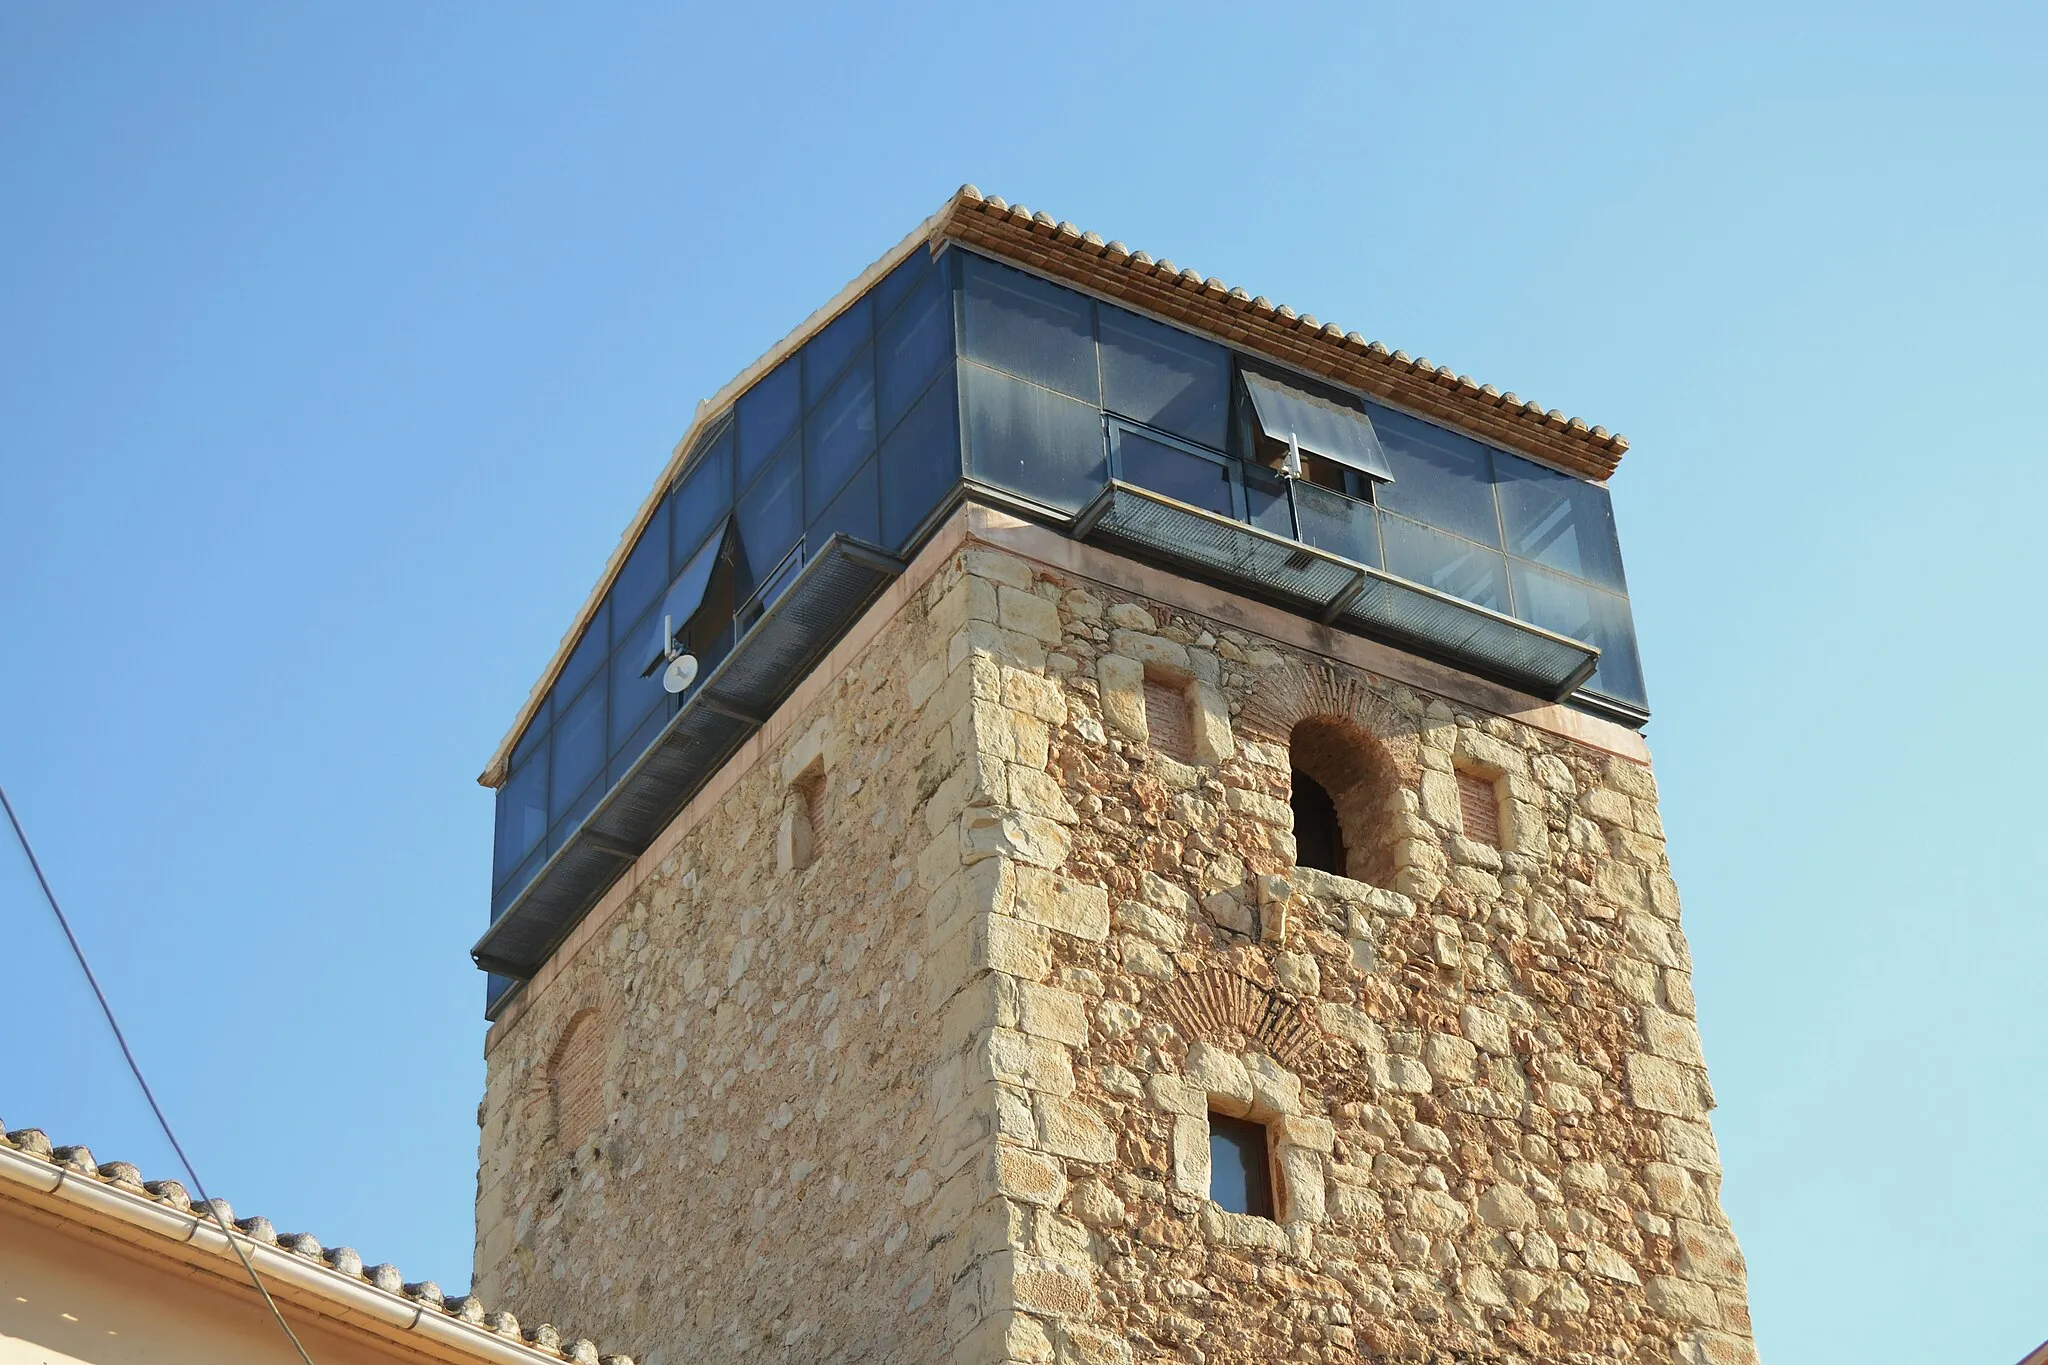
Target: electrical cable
(135, 1069)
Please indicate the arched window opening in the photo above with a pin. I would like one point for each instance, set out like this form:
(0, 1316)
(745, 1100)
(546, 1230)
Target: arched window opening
(1318, 838)
(576, 1079)
(1344, 784)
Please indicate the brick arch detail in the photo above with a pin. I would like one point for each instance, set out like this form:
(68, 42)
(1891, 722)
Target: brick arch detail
(1226, 1008)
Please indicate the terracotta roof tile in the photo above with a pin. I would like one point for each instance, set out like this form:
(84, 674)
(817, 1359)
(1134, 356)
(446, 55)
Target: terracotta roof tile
(546, 1341)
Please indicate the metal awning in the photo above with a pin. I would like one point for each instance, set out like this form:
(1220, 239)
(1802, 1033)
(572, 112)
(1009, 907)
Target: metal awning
(1317, 425)
(764, 667)
(1337, 591)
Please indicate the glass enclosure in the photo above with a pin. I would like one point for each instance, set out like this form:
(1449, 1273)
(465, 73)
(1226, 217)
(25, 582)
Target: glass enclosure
(961, 370)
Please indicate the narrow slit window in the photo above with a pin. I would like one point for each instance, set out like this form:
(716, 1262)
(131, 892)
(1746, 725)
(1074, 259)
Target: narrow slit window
(1240, 1166)
(1168, 719)
(805, 817)
(1318, 838)
(1479, 807)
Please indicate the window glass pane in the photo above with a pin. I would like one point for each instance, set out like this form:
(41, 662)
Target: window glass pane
(784, 574)
(1176, 473)
(635, 681)
(572, 815)
(1265, 502)
(1330, 521)
(1032, 329)
(826, 354)
(645, 569)
(1439, 477)
(536, 734)
(908, 276)
(1599, 618)
(1446, 563)
(920, 463)
(767, 415)
(678, 605)
(839, 434)
(586, 658)
(578, 748)
(914, 346)
(1557, 520)
(1239, 1178)
(1164, 378)
(770, 517)
(522, 813)
(703, 497)
(509, 889)
(634, 745)
(1031, 440)
(1318, 422)
(856, 512)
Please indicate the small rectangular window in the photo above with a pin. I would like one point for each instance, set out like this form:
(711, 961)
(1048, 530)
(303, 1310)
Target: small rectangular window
(1167, 719)
(1479, 807)
(1288, 415)
(1240, 1166)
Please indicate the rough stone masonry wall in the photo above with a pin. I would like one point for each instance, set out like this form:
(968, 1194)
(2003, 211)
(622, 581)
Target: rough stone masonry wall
(1482, 1078)
(756, 1179)
(942, 1095)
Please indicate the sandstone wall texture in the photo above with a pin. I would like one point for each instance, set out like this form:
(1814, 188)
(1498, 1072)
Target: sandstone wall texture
(943, 1093)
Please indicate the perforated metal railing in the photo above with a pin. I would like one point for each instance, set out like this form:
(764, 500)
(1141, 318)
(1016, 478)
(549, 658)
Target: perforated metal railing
(1338, 591)
(742, 692)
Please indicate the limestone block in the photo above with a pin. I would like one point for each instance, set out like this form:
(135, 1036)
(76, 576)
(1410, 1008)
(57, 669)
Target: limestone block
(1209, 716)
(1483, 1286)
(1275, 1089)
(1683, 1300)
(1297, 973)
(1095, 1204)
(1031, 1177)
(1121, 682)
(1486, 1030)
(1144, 959)
(1440, 800)
(1033, 1063)
(1071, 1129)
(1146, 921)
(1265, 755)
(1004, 1335)
(1131, 616)
(1115, 1018)
(1038, 697)
(1607, 806)
(1155, 650)
(1223, 1228)
(1666, 1087)
(1221, 1075)
(1057, 902)
(1507, 1207)
(1036, 793)
(1191, 1154)
(1606, 1262)
(1672, 1037)
(1709, 1254)
(1715, 1348)
(1401, 1075)
(1177, 1095)
(1027, 614)
(1301, 1185)
(1450, 1059)
(1307, 1131)
(1654, 941)
(1048, 1012)
(1434, 1211)
(1690, 1145)
(971, 599)
(1678, 993)
(1013, 946)
(1484, 751)
(1082, 1345)
(808, 750)
(1353, 1198)
(1567, 1296)
(1260, 806)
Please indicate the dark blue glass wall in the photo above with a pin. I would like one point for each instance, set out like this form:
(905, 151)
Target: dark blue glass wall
(855, 433)
(1061, 392)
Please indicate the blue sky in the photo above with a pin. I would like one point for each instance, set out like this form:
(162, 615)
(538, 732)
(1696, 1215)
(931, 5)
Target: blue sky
(340, 342)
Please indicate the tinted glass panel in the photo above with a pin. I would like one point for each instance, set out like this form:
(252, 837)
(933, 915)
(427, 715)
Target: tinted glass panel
(645, 569)
(588, 656)
(1032, 329)
(1239, 1178)
(1439, 477)
(914, 346)
(680, 603)
(826, 354)
(572, 815)
(1446, 563)
(1584, 613)
(578, 748)
(839, 435)
(920, 463)
(1557, 520)
(1330, 521)
(1164, 378)
(770, 517)
(1176, 473)
(895, 286)
(1265, 503)
(703, 497)
(767, 415)
(635, 744)
(856, 512)
(1031, 440)
(522, 812)
(1318, 425)
(636, 680)
(536, 735)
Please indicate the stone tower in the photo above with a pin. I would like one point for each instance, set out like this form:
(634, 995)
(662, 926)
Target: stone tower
(1157, 862)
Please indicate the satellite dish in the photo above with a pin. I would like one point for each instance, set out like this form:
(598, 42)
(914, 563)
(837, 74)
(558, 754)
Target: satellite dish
(680, 673)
